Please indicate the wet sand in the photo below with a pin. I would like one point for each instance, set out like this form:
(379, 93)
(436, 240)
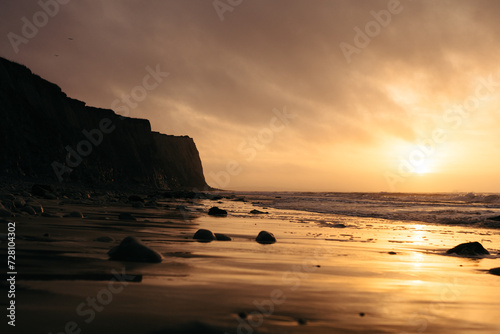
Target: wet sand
(371, 276)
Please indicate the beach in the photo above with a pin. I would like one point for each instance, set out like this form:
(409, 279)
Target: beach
(326, 273)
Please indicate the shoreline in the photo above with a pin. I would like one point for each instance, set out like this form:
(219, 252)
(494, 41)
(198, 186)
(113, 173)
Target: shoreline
(371, 275)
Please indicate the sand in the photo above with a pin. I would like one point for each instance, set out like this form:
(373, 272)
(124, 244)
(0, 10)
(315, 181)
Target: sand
(372, 276)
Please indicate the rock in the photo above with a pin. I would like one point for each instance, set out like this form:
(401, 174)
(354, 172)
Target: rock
(36, 206)
(19, 202)
(222, 237)
(49, 215)
(265, 237)
(4, 212)
(215, 211)
(495, 218)
(126, 216)
(132, 249)
(257, 212)
(392, 253)
(7, 196)
(495, 271)
(49, 195)
(135, 198)
(339, 225)
(468, 249)
(104, 239)
(137, 205)
(204, 235)
(41, 189)
(74, 214)
(29, 210)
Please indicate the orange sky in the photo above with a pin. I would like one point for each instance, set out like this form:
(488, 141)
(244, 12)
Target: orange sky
(289, 95)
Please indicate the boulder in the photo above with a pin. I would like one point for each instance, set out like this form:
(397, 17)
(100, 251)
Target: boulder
(137, 205)
(495, 271)
(468, 249)
(104, 239)
(126, 216)
(41, 189)
(222, 237)
(204, 235)
(29, 210)
(135, 198)
(215, 211)
(74, 214)
(257, 212)
(19, 202)
(4, 212)
(132, 249)
(265, 237)
(36, 206)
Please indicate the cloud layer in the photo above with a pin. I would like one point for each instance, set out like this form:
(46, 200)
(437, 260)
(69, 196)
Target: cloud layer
(357, 117)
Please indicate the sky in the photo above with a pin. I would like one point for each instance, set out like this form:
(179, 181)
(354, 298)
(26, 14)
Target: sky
(294, 95)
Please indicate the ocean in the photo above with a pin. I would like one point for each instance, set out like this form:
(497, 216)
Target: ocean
(467, 209)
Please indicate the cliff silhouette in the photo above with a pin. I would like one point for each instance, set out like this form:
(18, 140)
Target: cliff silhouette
(45, 135)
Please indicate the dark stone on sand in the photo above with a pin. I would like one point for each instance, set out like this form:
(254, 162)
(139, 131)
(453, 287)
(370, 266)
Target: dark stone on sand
(49, 195)
(495, 218)
(126, 216)
(302, 321)
(222, 237)
(49, 215)
(495, 271)
(135, 198)
(74, 214)
(215, 211)
(36, 206)
(204, 235)
(242, 315)
(104, 239)
(41, 189)
(132, 249)
(138, 205)
(265, 237)
(361, 314)
(340, 225)
(29, 210)
(19, 202)
(257, 212)
(392, 253)
(468, 249)
(4, 212)
(7, 197)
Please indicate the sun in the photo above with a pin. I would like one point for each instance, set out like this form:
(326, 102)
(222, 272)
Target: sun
(423, 169)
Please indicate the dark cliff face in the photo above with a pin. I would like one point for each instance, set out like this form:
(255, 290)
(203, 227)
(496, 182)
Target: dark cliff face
(46, 135)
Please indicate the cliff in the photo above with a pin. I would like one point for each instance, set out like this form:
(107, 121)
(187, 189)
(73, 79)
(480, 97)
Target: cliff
(46, 135)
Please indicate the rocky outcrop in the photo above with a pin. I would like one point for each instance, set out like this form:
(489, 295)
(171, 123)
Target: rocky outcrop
(46, 135)
(469, 249)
